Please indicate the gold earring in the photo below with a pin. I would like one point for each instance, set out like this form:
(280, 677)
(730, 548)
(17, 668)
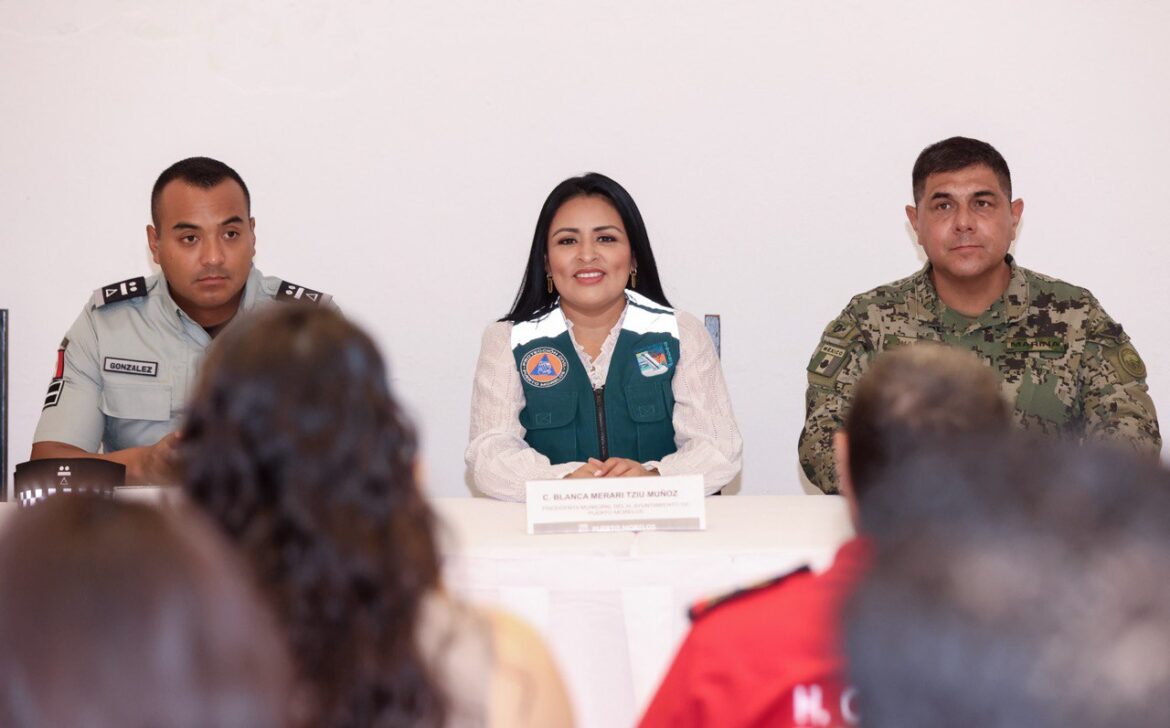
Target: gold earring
(633, 279)
(549, 283)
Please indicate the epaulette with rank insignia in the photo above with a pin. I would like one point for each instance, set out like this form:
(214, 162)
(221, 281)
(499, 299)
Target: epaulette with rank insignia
(120, 291)
(293, 292)
(704, 607)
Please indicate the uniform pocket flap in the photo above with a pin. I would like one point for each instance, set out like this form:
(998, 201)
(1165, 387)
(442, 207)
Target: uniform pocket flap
(646, 402)
(545, 411)
(137, 403)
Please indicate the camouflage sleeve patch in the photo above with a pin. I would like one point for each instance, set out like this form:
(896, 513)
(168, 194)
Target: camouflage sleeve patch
(842, 329)
(1127, 363)
(827, 360)
(836, 365)
(833, 351)
(1116, 401)
(1130, 362)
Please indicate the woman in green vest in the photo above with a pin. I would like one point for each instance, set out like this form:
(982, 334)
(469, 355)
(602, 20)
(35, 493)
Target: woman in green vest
(592, 373)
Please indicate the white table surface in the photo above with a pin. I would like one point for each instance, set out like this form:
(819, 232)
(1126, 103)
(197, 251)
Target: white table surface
(612, 606)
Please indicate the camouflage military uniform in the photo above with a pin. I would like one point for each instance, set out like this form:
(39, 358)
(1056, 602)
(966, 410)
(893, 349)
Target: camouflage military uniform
(1068, 368)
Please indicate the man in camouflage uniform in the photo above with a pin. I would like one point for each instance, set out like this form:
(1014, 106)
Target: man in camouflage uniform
(1067, 367)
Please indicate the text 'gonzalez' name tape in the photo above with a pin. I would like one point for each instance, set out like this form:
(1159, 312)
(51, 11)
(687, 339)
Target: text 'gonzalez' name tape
(130, 366)
(668, 503)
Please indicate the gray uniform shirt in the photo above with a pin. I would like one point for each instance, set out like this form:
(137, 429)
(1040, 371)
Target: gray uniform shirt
(126, 368)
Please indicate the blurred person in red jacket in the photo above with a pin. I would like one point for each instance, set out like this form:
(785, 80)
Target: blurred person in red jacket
(771, 655)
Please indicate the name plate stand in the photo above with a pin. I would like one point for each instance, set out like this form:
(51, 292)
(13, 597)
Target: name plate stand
(592, 505)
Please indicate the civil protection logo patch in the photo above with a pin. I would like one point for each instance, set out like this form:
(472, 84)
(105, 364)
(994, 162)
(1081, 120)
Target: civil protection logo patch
(543, 367)
(654, 360)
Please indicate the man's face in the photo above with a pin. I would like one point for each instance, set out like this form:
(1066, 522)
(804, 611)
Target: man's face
(965, 223)
(204, 244)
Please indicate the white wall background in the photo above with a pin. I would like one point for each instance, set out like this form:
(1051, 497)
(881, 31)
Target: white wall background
(398, 154)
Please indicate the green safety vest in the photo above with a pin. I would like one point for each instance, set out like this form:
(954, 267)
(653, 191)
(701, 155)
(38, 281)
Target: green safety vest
(566, 420)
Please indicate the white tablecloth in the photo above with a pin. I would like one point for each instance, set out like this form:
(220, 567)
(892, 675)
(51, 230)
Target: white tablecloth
(613, 605)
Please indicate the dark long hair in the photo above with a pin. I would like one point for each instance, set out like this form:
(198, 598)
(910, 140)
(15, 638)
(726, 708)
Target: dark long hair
(533, 299)
(123, 615)
(296, 446)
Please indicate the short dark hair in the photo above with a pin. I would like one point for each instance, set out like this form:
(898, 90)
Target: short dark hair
(534, 299)
(914, 398)
(296, 446)
(116, 614)
(954, 154)
(1027, 587)
(203, 172)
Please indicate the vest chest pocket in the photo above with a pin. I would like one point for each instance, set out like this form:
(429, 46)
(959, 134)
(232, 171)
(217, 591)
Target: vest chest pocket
(137, 402)
(646, 402)
(549, 424)
(650, 408)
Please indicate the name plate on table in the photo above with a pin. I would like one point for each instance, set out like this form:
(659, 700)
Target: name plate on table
(668, 503)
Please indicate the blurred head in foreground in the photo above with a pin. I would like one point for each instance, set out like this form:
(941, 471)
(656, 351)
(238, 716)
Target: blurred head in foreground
(913, 399)
(1025, 585)
(296, 447)
(122, 615)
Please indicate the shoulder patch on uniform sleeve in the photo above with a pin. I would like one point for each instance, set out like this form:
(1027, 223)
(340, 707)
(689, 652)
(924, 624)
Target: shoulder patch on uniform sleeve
(827, 359)
(1127, 364)
(841, 330)
(57, 383)
(1131, 362)
(120, 291)
(833, 349)
(293, 292)
(704, 607)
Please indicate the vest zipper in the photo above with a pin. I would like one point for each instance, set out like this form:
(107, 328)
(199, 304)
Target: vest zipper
(602, 437)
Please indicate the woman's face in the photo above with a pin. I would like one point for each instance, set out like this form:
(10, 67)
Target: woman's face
(589, 256)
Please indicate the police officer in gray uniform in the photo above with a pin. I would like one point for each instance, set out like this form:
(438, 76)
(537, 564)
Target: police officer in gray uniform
(126, 366)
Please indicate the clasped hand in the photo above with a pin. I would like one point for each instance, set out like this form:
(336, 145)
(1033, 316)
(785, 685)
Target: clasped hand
(611, 468)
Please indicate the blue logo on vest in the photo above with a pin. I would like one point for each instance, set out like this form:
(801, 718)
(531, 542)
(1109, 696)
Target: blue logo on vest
(654, 360)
